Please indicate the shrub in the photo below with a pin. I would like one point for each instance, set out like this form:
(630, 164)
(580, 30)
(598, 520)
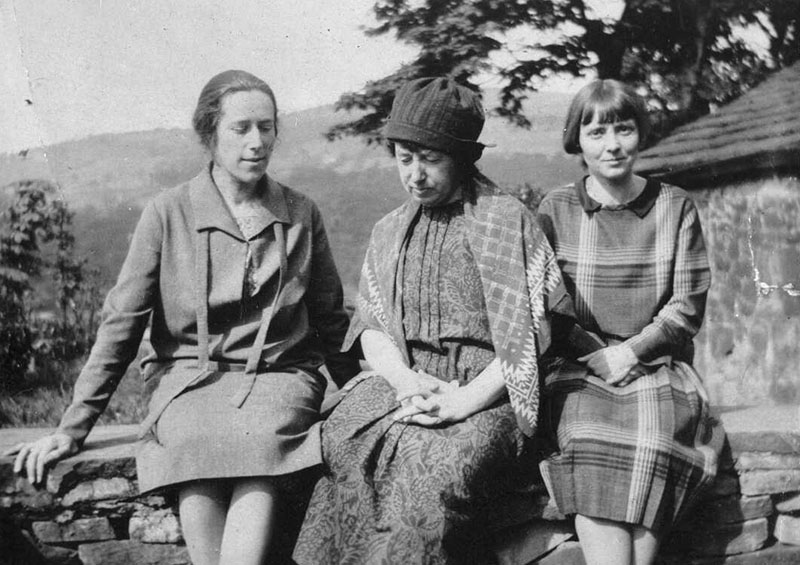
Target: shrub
(34, 219)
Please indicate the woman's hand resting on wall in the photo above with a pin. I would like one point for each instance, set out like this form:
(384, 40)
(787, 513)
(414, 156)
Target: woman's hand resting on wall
(33, 457)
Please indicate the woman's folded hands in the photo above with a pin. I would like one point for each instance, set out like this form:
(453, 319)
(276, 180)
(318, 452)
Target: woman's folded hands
(615, 364)
(427, 401)
(441, 403)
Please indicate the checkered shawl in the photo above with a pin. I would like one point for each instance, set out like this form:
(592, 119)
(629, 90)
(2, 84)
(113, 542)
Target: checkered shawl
(519, 276)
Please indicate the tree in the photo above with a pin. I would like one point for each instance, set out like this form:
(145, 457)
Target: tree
(33, 219)
(25, 224)
(685, 55)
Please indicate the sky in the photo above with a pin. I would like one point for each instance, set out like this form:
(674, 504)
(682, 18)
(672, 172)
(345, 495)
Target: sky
(72, 68)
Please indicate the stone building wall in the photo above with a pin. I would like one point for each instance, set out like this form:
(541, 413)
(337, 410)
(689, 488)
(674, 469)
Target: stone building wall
(749, 348)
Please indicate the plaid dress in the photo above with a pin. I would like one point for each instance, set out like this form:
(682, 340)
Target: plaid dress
(638, 274)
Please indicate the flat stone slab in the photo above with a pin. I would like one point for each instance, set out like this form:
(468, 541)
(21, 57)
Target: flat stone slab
(126, 552)
(529, 541)
(105, 442)
(787, 504)
(778, 554)
(787, 529)
(767, 461)
(769, 482)
(85, 529)
(726, 510)
(773, 429)
(721, 540)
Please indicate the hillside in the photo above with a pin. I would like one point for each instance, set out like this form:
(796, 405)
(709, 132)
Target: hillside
(107, 178)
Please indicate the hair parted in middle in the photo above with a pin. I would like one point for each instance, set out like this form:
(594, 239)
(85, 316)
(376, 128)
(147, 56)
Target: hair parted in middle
(612, 101)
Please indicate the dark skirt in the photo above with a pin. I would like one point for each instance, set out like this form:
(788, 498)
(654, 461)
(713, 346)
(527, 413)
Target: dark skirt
(639, 454)
(395, 493)
(204, 434)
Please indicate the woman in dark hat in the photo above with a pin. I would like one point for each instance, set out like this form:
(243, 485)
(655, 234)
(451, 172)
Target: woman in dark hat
(235, 276)
(451, 318)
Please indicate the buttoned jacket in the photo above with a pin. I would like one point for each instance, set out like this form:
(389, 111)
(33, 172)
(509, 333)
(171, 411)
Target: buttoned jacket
(157, 285)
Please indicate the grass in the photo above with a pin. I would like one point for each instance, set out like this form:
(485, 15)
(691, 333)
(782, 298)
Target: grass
(42, 402)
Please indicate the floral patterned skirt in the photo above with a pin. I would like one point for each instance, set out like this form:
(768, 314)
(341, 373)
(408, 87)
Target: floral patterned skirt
(395, 493)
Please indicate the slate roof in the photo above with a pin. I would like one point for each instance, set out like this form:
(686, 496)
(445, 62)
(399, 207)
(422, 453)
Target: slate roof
(758, 132)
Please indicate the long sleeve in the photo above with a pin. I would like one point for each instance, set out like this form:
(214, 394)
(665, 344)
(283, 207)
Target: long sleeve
(568, 338)
(679, 320)
(637, 274)
(326, 306)
(126, 313)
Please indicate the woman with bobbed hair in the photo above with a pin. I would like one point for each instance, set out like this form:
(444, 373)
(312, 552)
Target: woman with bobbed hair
(451, 317)
(234, 273)
(634, 441)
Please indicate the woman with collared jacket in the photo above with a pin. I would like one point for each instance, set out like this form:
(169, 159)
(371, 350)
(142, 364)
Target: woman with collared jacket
(235, 275)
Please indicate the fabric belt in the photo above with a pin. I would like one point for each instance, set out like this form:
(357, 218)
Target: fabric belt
(206, 367)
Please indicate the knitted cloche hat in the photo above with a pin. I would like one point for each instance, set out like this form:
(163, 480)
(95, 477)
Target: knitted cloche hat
(438, 113)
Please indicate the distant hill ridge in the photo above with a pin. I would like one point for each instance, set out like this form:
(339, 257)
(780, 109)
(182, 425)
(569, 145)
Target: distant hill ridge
(107, 169)
(107, 178)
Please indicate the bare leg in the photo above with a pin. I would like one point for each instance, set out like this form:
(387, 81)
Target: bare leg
(250, 523)
(645, 546)
(604, 542)
(203, 506)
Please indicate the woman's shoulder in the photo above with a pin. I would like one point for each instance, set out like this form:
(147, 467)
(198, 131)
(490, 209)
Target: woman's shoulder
(395, 216)
(490, 198)
(671, 191)
(566, 194)
(170, 200)
(178, 195)
(501, 201)
(675, 195)
(561, 201)
(298, 203)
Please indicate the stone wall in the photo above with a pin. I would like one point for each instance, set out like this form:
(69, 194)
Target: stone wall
(90, 513)
(749, 348)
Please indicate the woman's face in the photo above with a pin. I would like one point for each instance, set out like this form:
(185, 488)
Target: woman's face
(610, 149)
(429, 176)
(245, 136)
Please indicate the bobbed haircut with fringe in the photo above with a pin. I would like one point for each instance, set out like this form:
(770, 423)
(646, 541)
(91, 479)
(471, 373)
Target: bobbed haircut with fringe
(611, 101)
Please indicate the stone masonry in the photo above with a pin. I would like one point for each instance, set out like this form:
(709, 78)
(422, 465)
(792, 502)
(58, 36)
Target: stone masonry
(90, 513)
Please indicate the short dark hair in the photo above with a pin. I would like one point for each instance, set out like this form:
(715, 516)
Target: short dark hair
(209, 104)
(612, 101)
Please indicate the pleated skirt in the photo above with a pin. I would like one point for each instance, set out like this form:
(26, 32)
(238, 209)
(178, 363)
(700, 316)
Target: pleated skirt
(640, 454)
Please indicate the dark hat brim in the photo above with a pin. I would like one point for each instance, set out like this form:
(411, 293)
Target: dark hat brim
(440, 141)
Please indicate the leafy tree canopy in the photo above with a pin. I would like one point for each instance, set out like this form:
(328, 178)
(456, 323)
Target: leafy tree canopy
(685, 55)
